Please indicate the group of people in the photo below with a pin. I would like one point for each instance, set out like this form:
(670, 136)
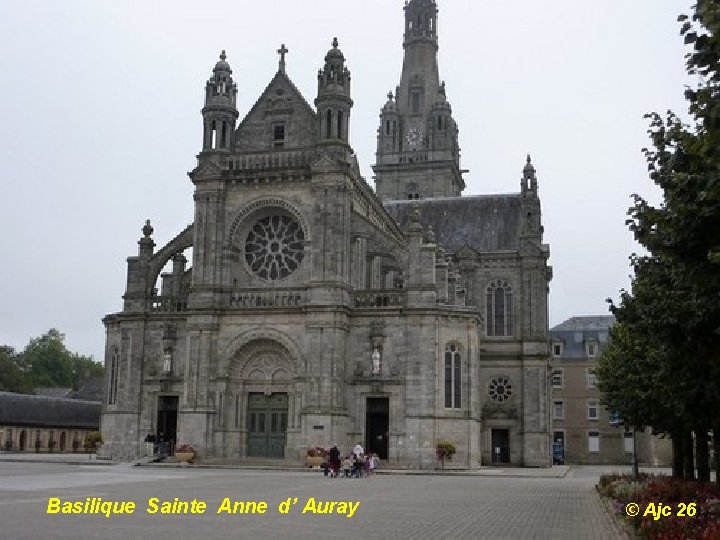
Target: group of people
(357, 464)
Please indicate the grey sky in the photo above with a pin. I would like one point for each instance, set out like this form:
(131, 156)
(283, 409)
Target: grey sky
(100, 122)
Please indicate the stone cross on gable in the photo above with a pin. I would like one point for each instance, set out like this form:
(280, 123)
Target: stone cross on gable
(282, 51)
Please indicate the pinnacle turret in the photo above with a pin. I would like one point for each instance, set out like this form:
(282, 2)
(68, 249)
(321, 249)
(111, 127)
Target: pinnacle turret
(220, 111)
(333, 100)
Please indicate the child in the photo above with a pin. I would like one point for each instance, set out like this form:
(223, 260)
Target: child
(373, 459)
(346, 466)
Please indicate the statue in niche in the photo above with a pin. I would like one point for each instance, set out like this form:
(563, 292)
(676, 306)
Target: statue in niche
(376, 361)
(167, 361)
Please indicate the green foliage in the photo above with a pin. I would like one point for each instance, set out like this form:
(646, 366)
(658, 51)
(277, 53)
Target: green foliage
(45, 361)
(12, 378)
(662, 368)
(445, 449)
(93, 440)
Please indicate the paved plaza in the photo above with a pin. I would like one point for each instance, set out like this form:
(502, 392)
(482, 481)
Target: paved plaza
(391, 506)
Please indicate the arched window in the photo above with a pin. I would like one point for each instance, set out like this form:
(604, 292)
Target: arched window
(114, 372)
(499, 309)
(328, 124)
(413, 191)
(339, 125)
(453, 388)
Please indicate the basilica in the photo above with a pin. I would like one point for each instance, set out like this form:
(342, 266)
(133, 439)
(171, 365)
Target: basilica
(304, 308)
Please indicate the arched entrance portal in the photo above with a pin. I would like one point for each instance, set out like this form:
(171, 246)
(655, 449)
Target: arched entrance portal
(261, 377)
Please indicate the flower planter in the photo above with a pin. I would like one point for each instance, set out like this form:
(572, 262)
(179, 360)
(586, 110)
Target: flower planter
(185, 457)
(314, 461)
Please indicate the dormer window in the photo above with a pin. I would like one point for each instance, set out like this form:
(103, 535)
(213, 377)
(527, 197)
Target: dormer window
(557, 348)
(591, 348)
(279, 135)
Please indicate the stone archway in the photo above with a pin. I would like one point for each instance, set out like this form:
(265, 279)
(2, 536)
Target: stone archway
(261, 376)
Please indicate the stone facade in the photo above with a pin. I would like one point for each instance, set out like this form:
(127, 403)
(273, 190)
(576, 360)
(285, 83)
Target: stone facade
(316, 312)
(583, 427)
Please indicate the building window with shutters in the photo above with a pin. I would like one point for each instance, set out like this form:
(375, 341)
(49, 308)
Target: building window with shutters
(593, 441)
(593, 409)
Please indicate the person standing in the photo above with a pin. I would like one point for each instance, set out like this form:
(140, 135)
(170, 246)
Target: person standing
(334, 459)
(150, 444)
(358, 450)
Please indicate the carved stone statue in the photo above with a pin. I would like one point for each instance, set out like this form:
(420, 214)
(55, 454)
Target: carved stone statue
(167, 361)
(376, 362)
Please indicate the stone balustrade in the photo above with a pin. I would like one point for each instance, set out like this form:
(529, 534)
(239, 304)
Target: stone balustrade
(392, 298)
(276, 159)
(168, 304)
(254, 299)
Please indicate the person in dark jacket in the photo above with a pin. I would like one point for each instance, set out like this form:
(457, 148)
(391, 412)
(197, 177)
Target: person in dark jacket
(334, 459)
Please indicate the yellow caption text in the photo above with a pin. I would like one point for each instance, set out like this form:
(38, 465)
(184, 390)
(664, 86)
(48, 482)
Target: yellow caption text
(154, 505)
(660, 510)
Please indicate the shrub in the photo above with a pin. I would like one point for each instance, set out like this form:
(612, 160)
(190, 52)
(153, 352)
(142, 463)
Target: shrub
(92, 440)
(445, 449)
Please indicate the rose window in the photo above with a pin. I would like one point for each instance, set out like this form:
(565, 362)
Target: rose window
(500, 389)
(274, 247)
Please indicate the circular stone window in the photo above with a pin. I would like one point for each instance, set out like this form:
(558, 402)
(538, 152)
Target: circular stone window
(274, 247)
(500, 389)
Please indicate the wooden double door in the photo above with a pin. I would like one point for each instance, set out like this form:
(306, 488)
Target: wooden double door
(267, 425)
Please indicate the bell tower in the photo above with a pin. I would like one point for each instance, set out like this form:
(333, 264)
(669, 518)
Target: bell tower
(418, 155)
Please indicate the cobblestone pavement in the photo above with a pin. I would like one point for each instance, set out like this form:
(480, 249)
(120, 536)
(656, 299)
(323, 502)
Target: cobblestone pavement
(391, 506)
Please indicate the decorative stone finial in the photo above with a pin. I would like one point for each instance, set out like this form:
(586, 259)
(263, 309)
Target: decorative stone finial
(335, 43)
(415, 215)
(147, 229)
(282, 51)
(223, 56)
(390, 96)
(430, 235)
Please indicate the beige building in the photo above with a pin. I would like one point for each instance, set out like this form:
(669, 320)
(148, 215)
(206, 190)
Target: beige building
(584, 431)
(45, 424)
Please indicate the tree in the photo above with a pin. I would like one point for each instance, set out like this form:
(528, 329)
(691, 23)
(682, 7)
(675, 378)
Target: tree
(670, 322)
(12, 378)
(48, 362)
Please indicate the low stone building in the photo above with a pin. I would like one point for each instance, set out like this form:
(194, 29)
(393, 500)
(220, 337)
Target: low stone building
(45, 424)
(582, 427)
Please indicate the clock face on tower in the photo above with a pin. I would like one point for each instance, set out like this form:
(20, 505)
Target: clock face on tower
(414, 137)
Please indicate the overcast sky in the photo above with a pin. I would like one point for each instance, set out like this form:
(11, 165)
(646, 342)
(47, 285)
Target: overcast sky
(100, 122)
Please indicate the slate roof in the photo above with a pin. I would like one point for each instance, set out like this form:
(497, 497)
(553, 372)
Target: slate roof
(592, 322)
(28, 410)
(484, 222)
(52, 391)
(92, 389)
(575, 332)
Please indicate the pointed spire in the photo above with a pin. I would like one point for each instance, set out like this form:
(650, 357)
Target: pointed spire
(529, 180)
(529, 166)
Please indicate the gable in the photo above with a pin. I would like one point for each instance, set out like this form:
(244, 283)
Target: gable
(281, 104)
